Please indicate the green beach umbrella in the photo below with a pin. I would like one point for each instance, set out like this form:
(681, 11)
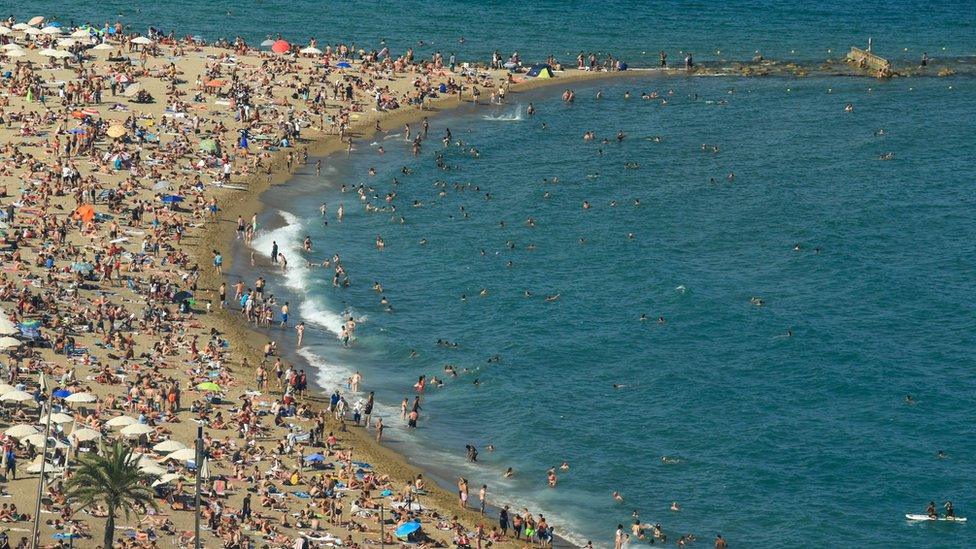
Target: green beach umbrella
(208, 386)
(208, 145)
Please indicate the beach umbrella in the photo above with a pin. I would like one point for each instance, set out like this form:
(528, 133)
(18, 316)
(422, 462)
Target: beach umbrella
(103, 47)
(11, 46)
(9, 343)
(137, 429)
(15, 53)
(172, 199)
(77, 131)
(115, 131)
(16, 396)
(82, 267)
(21, 431)
(121, 421)
(81, 33)
(36, 20)
(141, 40)
(280, 46)
(85, 434)
(31, 31)
(180, 296)
(65, 42)
(208, 145)
(216, 83)
(315, 458)
(7, 326)
(185, 454)
(5, 388)
(166, 478)
(61, 54)
(61, 418)
(209, 386)
(267, 43)
(406, 529)
(5, 30)
(153, 469)
(61, 393)
(86, 212)
(51, 30)
(131, 90)
(38, 441)
(311, 51)
(167, 446)
(81, 397)
(49, 468)
(20, 26)
(343, 65)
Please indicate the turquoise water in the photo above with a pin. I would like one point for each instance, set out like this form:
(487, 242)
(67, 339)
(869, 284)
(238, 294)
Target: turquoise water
(779, 441)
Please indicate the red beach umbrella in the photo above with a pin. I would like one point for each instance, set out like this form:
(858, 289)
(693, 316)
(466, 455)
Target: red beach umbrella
(280, 46)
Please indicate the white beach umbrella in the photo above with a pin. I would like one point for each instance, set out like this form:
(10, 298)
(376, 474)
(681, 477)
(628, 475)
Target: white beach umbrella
(16, 396)
(102, 47)
(169, 446)
(5, 30)
(20, 26)
(7, 326)
(48, 52)
(132, 89)
(65, 42)
(267, 43)
(81, 397)
(31, 31)
(4, 388)
(38, 441)
(81, 33)
(137, 429)
(21, 431)
(85, 434)
(310, 50)
(9, 342)
(182, 455)
(122, 421)
(36, 20)
(15, 53)
(61, 418)
(153, 469)
(51, 30)
(166, 478)
(141, 40)
(61, 54)
(11, 46)
(49, 468)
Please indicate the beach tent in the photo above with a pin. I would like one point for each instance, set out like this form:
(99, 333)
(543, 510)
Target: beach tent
(540, 71)
(85, 212)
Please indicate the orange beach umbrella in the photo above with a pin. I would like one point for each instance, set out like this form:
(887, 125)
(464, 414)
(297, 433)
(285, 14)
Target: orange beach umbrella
(85, 212)
(280, 46)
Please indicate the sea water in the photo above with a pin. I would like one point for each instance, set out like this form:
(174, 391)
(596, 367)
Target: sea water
(771, 439)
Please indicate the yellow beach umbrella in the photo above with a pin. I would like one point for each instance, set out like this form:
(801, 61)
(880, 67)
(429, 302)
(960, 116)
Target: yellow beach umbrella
(115, 131)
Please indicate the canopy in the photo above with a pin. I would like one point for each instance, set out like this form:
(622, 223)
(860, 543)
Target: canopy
(169, 446)
(121, 421)
(85, 212)
(137, 429)
(85, 434)
(280, 46)
(21, 431)
(540, 71)
(81, 397)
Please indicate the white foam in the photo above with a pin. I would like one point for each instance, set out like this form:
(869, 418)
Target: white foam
(511, 117)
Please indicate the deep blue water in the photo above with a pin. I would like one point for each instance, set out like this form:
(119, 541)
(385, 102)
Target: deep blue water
(781, 441)
(633, 30)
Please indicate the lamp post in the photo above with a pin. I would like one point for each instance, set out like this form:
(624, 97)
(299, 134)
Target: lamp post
(36, 531)
(198, 461)
(382, 532)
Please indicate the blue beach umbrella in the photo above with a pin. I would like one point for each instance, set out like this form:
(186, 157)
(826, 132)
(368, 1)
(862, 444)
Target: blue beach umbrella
(315, 458)
(61, 393)
(344, 65)
(406, 529)
(172, 199)
(77, 131)
(82, 267)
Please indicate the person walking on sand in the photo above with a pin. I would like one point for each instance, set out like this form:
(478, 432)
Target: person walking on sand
(379, 429)
(284, 315)
(483, 497)
(301, 333)
(462, 485)
(218, 262)
(368, 409)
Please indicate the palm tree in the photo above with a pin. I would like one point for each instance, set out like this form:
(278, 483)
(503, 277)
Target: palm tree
(114, 479)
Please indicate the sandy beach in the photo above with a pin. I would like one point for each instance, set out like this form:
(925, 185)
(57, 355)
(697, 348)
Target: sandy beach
(125, 169)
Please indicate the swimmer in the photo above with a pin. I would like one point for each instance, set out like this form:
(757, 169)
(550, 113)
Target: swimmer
(564, 466)
(849, 107)
(660, 320)
(483, 292)
(552, 297)
(675, 507)
(643, 317)
(941, 455)
(617, 496)
(509, 473)
(527, 293)
(413, 354)
(586, 205)
(491, 447)
(669, 460)
(796, 247)
(909, 400)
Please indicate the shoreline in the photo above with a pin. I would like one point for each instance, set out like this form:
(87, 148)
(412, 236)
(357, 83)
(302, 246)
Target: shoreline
(326, 146)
